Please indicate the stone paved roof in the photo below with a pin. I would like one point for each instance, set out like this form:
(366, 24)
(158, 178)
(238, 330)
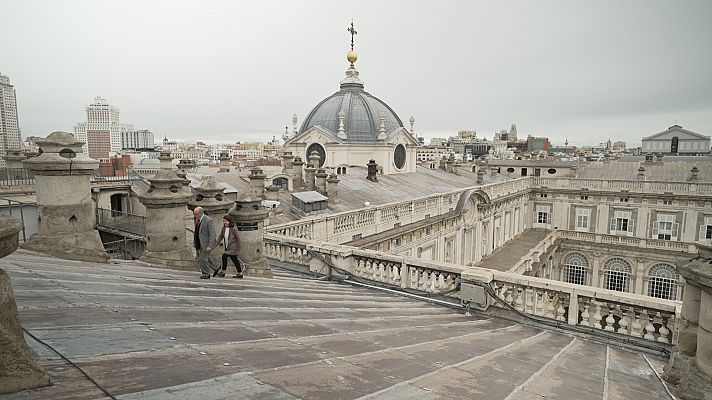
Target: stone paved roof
(150, 333)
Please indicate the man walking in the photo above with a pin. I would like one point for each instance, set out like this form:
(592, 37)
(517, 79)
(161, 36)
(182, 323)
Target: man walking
(204, 240)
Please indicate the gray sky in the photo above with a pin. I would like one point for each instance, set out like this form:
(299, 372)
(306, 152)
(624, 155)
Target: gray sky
(224, 71)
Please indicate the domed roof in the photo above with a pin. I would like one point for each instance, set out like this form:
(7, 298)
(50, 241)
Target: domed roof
(362, 112)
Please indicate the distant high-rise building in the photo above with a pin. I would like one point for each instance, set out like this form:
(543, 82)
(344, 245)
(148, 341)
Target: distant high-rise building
(9, 125)
(140, 139)
(101, 133)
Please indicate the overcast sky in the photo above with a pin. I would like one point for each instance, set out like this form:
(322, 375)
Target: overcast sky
(225, 71)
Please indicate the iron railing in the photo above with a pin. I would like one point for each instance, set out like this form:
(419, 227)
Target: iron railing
(16, 177)
(121, 221)
(19, 205)
(125, 249)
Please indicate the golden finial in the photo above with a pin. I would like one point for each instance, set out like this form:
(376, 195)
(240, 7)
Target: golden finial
(351, 56)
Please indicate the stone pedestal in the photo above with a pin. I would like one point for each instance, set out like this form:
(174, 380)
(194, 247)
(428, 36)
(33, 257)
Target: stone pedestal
(691, 362)
(18, 369)
(257, 183)
(320, 179)
(66, 212)
(224, 162)
(249, 217)
(297, 177)
(210, 196)
(332, 189)
(165, 203)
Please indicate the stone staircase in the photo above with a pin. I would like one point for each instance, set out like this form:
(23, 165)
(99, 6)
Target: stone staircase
(151, 333)
(505, 257)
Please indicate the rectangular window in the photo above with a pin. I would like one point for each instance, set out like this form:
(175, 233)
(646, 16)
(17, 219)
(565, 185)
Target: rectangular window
(584, 197)
(665, 228)
(706, 229)
(542, 215)
(622, 223)
(582, 219)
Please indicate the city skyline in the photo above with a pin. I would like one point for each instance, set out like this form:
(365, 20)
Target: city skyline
(237, 72)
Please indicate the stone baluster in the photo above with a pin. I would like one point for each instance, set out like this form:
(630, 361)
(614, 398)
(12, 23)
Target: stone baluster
(636, 329)
(66, 212)
(597, 315)
(518, 301)
(649, 327)
(664, 331)
(585, 315)
(609, 319)
(560, 310)
(624, 322)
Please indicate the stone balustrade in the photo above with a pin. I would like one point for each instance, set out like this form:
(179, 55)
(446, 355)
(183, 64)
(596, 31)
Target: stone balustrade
(627, 314)
(631, 241)
(687, 188)
(624, 313)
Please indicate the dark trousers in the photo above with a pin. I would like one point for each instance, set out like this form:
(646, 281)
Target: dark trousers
(235, 261)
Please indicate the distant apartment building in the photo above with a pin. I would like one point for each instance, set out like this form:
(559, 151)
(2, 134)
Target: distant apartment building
(101, 133)
(431, 153)
(140, 139)
(536, 144)
(9, 125)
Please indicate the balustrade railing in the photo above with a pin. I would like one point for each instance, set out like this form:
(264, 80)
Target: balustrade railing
(16, 177)
(121, 221)
(628, 241)
(624, 313)
(614, 184)
(627, 314)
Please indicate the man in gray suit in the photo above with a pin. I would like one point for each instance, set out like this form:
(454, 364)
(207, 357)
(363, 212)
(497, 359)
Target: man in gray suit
(204, 240)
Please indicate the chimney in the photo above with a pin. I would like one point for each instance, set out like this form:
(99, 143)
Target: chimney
(372, 171)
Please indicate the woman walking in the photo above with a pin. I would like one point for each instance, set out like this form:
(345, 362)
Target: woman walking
(230, 241)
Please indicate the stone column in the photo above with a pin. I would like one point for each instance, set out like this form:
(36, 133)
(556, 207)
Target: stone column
(18, 369)
(321, 181)
(310, 174)
(210, 196)
(66, 212)
(372, 171)
(165, 203)
(297, 179)
(332, 188)
(224, 162)
(287, 160)
(691, 361)
(257, 183)
(249, 217)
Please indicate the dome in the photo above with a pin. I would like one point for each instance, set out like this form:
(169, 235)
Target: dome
(362, 112)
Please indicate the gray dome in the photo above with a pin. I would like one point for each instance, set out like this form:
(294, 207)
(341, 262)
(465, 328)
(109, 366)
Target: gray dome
(362, 111)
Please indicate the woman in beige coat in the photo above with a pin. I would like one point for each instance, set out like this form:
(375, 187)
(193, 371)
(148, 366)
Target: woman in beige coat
(230, 241)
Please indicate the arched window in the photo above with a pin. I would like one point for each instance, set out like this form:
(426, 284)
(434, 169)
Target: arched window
(662, 281)
(616, 275)
(576, 269)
